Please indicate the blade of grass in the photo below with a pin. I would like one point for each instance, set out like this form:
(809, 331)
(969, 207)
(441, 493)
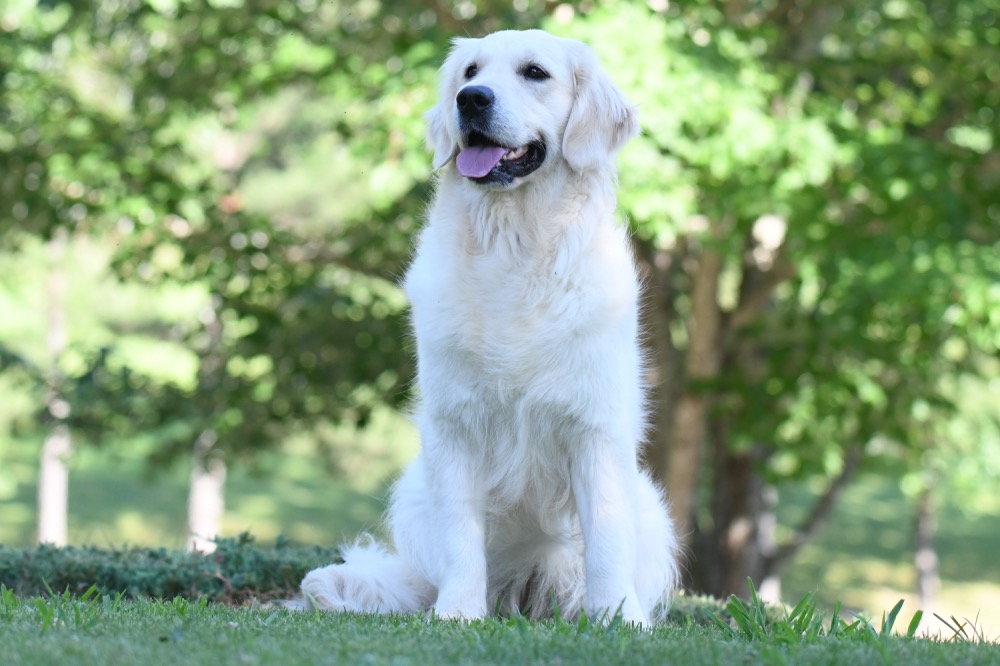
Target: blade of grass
(835, 622)
(911, 630)
(890, 621)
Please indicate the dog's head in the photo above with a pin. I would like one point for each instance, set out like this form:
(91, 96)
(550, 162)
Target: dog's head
(514, 102)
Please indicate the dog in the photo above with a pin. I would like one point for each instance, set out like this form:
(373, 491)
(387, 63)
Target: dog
(527, 496)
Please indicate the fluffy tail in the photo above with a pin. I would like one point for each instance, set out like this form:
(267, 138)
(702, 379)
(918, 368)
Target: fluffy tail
(370, 580)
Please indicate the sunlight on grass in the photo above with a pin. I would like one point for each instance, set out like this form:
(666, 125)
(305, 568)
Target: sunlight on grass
(977, 603)
(15, 519)
(113, 503)
(141, 528)
(864, 558)
(841, 575)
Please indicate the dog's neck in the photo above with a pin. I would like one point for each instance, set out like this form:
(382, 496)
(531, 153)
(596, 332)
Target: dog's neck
(520, 221)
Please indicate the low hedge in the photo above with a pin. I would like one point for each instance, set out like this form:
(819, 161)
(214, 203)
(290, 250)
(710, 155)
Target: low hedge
(237, 572)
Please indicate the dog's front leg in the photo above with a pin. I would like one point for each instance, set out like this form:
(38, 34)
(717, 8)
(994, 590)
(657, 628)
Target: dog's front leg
(605, 480)
(458, 508)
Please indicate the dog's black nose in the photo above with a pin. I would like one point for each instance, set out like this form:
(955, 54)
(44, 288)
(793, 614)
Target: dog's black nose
(474, 100)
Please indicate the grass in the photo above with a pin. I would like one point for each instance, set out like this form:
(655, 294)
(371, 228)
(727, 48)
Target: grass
(98, 629)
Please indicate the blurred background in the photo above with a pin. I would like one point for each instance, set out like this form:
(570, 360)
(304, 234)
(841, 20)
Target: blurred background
(205, 208)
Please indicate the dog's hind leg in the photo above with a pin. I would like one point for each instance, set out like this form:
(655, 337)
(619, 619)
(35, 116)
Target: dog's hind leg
(370, 579)
(429, 527)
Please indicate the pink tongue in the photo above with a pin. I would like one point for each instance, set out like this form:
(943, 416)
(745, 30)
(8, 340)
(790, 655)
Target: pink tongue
(477, 161)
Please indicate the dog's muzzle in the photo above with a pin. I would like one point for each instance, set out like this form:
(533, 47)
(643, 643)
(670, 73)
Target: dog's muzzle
(484, 158)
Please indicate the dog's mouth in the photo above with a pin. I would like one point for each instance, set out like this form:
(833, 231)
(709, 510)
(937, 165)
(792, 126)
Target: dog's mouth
(486, 161)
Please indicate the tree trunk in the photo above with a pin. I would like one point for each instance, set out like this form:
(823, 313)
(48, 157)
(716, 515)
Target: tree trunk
(206, 499)
(925, 555)
(688, 437)
(769, 578)
(53, 473)
(739, 539)
(740, 543)
(53, 487)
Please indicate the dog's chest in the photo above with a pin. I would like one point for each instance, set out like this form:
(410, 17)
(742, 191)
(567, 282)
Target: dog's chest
(522, 318)
(517, 318)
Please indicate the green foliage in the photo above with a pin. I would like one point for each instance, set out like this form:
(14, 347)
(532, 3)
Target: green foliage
(713, 144)
(292, 328)
(237, 572)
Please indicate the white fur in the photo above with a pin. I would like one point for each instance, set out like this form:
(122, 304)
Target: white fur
(527, 490)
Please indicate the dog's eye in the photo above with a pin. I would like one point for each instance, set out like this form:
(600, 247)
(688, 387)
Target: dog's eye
(534, 72)
(471, 71)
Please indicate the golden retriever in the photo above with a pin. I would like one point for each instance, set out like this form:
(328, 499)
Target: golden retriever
(527, 496)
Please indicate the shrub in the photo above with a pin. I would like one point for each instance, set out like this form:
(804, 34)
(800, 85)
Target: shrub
(238, 571)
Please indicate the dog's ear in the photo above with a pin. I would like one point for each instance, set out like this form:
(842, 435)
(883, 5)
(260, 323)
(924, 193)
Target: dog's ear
(439, 132)
(601, 120)
(439, 138)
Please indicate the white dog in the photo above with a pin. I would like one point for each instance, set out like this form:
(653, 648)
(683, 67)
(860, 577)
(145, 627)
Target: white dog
(527, 495)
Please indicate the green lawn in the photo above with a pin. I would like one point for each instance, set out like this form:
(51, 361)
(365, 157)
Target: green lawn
(105, 630)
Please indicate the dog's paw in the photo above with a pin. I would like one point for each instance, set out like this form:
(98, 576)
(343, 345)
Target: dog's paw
(326, 589)
(457, 615)
(459, 607)
(628, 610)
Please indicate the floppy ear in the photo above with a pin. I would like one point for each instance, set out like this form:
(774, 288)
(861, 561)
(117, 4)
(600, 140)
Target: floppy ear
(439, 135)
(601, 120)
(439, 138)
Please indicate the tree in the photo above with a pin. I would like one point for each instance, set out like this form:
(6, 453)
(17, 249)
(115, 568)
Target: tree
(817, 244)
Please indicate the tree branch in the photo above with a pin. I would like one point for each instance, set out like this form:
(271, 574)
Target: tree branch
(809, 527)
(753, 301)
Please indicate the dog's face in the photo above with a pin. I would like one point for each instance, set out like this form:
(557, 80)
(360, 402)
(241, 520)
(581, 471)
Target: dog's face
(514, 103)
